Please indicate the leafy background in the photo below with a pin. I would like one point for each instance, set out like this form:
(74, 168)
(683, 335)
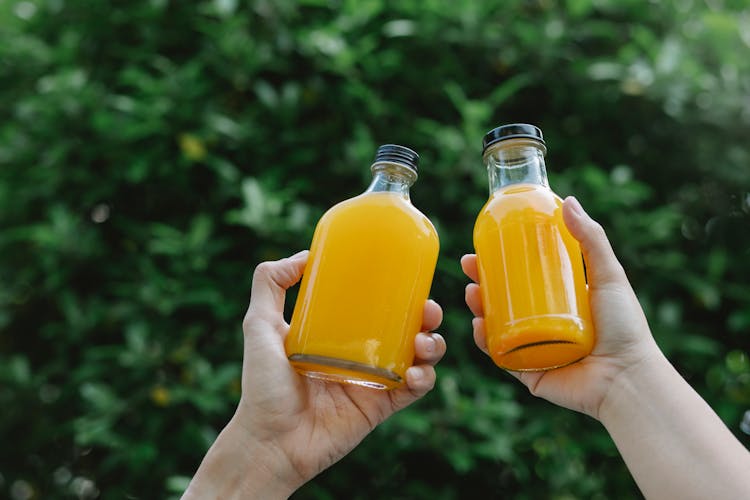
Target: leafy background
(153, 152)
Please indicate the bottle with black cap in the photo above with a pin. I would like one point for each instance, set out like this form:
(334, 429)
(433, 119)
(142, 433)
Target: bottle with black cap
(532, 280)
(367, 278)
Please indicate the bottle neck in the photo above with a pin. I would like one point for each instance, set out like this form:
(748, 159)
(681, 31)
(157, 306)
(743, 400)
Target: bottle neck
(516, 162)
(392, 178)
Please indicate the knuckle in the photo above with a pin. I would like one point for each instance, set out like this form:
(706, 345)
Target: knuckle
(255, 321)
(248, 321)
(618, 269)
(262, 269)
(598, 231)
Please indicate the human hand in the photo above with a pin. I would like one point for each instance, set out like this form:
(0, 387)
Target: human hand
(623, 338)
(291, 426)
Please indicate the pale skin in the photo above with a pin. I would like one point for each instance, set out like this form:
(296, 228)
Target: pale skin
(288, 428)
(674, 445)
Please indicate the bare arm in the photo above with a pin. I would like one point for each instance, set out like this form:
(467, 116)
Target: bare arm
(238, 466)
(673, 443)
(288, 428)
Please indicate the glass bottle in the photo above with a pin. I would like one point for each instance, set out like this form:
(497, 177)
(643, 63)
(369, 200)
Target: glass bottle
(533, 287)
(369, 273)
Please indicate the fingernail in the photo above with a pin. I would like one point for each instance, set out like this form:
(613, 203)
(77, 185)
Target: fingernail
(417, 373)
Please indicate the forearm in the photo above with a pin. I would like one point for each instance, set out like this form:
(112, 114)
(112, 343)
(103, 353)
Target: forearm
(237, 467)
(673, 443)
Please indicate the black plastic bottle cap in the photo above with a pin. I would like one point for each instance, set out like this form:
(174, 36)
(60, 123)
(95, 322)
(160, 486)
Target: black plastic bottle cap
(511, 131)
(393, 153)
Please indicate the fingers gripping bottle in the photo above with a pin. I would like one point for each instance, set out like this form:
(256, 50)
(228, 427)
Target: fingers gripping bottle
(533, 287)
(367, 278)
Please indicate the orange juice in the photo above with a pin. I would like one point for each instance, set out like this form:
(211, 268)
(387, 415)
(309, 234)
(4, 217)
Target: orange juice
(531, 273)
(533, 287)
(363, 291)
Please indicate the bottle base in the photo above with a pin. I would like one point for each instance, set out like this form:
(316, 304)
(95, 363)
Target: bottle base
(541, 343)
(344, 371)
(541, 356)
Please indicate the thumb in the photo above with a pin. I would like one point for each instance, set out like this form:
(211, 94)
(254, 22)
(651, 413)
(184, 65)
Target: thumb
(270, 282)
(603, 268)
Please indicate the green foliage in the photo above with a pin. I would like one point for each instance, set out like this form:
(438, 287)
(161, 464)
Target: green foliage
(152, 152)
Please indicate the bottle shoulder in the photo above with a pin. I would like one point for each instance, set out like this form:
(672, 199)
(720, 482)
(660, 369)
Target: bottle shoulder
(523, 196)
(375, 211)
(518, 205)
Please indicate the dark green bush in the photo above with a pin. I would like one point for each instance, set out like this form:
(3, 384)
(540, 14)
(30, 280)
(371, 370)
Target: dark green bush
(153, 152)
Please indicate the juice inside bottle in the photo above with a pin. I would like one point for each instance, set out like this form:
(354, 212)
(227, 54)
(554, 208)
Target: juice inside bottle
(533, 287)
(363, 291)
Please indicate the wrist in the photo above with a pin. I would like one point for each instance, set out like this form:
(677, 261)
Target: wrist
(240, 466)
(630, 385)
